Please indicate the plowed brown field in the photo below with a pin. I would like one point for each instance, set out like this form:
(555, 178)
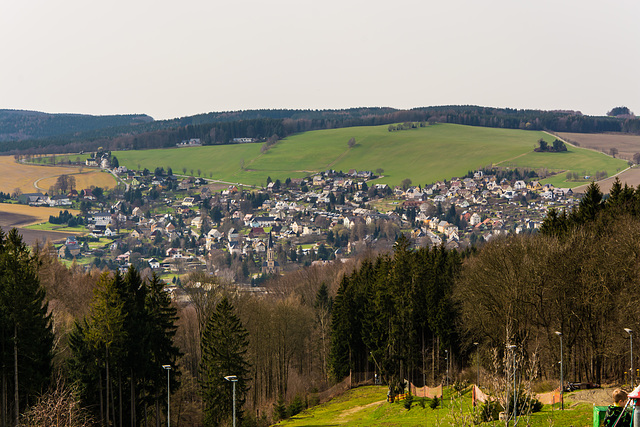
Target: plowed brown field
(19, 216)
(17, 175)
(627, 145)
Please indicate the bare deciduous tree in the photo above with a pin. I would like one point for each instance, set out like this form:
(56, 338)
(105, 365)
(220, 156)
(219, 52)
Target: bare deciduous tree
(58, 407)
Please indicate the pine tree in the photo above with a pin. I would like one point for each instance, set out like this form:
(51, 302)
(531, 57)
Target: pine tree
(134, 361)
(161, 319)
(123, 344)
(323, 305)
(105, 335)
(590, 204)
(84, 368)
(26, 337)
(224, 348)
(339, 361)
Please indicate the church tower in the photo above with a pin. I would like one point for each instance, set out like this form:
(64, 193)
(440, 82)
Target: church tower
(270, 266)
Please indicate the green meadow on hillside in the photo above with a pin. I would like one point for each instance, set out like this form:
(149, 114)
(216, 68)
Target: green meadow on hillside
(366, 406)
(424, 155)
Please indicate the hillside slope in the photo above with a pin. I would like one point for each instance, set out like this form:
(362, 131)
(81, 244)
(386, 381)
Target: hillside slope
(424, 155)
(365, 406)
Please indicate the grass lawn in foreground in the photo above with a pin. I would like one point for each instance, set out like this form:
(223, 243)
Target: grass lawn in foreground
(424, 155)
(365, 406)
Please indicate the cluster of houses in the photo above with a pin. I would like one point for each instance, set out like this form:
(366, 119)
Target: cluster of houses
(39, 199)
(193, 142)
(302, 214)
(58, 200)
(101, 160)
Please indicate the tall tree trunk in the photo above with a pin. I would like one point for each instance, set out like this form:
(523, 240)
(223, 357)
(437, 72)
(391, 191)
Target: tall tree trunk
(102, 420)
(157, 410)
(433, 360)
(15, 373)
(133, 399)
(107, 385)
(120, 396)
(4, 397)
(113, 407)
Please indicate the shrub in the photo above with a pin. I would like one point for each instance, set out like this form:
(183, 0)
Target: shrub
(526, 403)
(249, 420)
(434, 403)
(490, 411)
(408, 401)
(314, 399)
(296, 406)
(460, 386)
(279, 409)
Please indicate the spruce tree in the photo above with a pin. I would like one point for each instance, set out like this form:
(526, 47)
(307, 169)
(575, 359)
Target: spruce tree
(161, 319)
(106, 336)
(26, 337)
(122, 346)
(339, 362)
(224, 348)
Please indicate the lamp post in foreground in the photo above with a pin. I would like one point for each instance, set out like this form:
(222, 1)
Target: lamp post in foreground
(478, 363)
(513, 354)
(631, 376)
(168, 369)
(234, 380)
(558, 333)
(446, 361)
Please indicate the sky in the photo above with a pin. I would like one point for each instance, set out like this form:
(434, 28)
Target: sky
(173, 59)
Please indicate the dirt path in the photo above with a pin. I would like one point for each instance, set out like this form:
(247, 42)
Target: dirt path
(596, 396)
(37, 181)
(348, 412)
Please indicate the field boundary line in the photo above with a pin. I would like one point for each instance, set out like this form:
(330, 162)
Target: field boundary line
(338, 158)
(578, 146)
(513, 158)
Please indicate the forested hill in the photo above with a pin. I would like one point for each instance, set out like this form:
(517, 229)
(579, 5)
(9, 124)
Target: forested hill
(18, 125)
(222, 127)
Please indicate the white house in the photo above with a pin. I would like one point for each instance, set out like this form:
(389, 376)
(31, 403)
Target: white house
(102, 218)
(475, 219)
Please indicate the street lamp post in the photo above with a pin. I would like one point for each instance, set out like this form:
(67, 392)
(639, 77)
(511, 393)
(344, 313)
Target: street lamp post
(168, 369)
(513, 354)
(234, 380)
(446, 361)
(631, 376)
(558, 333)
(477, 363)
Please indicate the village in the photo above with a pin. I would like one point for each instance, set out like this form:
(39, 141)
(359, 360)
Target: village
(178, 224)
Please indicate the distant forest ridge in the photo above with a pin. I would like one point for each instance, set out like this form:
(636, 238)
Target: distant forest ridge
(18, 125)
(45, 133)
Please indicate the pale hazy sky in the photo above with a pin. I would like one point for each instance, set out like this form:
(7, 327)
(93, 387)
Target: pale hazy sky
(179, 58)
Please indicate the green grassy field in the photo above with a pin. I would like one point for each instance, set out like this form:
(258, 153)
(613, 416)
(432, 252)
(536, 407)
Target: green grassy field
(585, 162)
(424, 155)
(47, 226)
(365, 406)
